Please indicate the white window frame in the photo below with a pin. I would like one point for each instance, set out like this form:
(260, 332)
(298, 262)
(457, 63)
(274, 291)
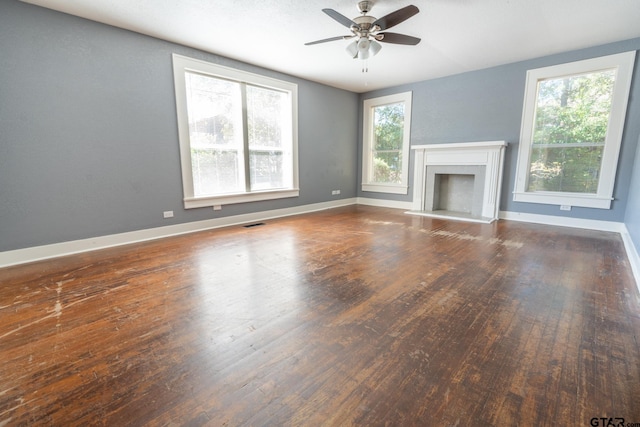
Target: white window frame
(181, 65)
(368, 144)
(623, 64)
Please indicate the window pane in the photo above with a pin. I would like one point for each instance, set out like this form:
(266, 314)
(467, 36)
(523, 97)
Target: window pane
(265, 116)
(215, 133)
(387, 167)
(214, 111)
(215, 172)
(267, 111)
(388, 125)
(570, 127)
(566, 169)
(266, 169)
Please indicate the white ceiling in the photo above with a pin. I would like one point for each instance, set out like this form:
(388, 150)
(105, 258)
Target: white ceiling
(457, 35)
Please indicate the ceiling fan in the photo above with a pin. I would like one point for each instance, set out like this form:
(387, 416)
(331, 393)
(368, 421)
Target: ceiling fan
(368, 30)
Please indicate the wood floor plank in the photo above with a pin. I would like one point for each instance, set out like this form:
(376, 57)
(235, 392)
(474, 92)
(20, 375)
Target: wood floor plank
(351, 316)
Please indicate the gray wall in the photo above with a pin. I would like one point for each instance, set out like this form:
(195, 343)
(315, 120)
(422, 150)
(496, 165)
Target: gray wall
(486, 105)
(88, 132)
(632, 217)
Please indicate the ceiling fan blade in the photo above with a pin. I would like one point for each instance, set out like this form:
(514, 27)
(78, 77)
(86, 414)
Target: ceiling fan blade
(330, 39)
(340, 18)
(396, 38)
(394, 18)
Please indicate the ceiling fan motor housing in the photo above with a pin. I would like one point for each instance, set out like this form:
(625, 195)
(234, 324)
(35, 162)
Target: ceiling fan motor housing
(365, 25)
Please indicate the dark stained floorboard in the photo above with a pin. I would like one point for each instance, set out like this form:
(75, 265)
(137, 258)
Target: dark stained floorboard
(352, 316)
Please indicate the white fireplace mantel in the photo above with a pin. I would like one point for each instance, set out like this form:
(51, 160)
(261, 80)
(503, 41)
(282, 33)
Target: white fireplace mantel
(489, 154)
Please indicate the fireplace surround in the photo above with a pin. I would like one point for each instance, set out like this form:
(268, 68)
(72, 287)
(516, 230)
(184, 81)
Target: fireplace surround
(458, 181)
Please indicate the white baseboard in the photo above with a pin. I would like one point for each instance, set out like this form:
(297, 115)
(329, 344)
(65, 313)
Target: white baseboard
(37, 253)
(589, 224)
(384, 203)
(632, 254)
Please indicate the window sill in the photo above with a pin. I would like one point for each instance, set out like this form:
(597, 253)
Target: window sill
(229, 199)
(569, 199)
(388, 188)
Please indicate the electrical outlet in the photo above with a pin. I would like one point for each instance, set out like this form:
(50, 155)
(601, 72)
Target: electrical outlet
(565, 207)
(217, 207)
(167, 214)
(335, 192)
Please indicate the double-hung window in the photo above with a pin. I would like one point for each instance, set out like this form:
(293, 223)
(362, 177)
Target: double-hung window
(572, 124)
(386, 136)
(237, 132)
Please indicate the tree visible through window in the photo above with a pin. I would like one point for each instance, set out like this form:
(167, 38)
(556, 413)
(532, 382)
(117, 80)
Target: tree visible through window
(388, 124)
(572, 116)
(387, 121)
(572, 123)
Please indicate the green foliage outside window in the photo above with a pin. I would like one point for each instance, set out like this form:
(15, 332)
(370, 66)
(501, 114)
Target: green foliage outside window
(572, 116)
(388, 134)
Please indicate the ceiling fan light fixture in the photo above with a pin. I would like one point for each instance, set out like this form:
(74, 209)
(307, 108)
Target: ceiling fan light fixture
(374, 47)
(352, 49)
(363, 48)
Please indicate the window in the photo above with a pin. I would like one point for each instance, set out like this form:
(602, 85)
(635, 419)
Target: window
(385, 163)
(238, 134)
(572, 124)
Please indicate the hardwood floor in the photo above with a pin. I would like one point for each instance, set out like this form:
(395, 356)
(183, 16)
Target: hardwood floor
(352, 316)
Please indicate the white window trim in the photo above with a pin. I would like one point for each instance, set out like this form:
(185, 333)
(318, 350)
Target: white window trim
(623, 62)
(182, 64)
(367, 140)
